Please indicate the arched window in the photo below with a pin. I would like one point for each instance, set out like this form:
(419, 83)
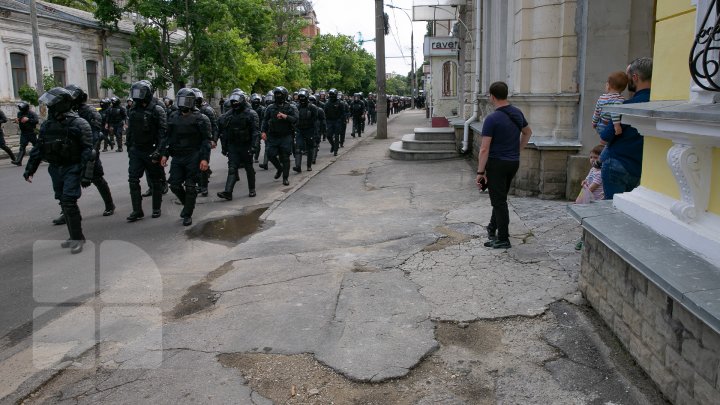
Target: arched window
(18, 65)
(92, 77)
(449, 75)
(59, 71)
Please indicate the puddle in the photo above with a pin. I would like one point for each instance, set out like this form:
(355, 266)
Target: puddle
(200, 296)
(230, 229)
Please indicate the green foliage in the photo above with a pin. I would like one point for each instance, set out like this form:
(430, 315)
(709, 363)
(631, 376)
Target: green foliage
(115, 83)
(339, 62)
(397, 85)
(28, 94)
(49, 80)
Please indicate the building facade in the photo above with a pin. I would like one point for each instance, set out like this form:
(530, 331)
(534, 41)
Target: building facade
(73, 48)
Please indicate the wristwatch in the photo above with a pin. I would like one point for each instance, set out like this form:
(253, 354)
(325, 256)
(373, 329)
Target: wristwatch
(480, 173)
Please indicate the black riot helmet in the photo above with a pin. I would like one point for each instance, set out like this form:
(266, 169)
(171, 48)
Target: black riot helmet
(237, 101)
(269, 98)
(313, 100)
(198, 96)
(236, 90)
(23, 107)
(185, 99)
(58, 100)
(280, 94)
(78, 95)
(255, 100)
(115, 101)
(333, 94)
(141, 91)
(303, 97)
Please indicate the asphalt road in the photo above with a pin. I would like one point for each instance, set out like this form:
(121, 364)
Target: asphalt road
(30, 208)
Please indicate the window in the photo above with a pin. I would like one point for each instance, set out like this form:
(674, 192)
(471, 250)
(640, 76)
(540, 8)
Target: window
(91, 69)
(449, 74)
(59, 71)
(18, 65)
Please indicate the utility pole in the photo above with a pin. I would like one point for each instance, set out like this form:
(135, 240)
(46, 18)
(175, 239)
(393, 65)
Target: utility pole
(36, 48)
(381, 132)
(412, 53)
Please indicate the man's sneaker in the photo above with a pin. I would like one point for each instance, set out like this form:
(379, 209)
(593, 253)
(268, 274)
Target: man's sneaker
(252, 193)
(156, 213)
(262, 166)
(108, 211)
(286, 182)
(76, 246)
(297, 169)
(147, 193)
(187, 221)
(59, 220)
(491, 235)
(225, 195)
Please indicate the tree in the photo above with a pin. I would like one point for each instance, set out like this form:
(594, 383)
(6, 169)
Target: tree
(339, 62)
(79, 4)
(397, 85)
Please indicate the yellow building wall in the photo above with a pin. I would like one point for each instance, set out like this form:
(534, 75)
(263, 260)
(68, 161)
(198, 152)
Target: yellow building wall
(674, 34)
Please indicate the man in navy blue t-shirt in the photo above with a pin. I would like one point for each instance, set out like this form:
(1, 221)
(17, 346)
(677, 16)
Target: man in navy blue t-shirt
(505, 133)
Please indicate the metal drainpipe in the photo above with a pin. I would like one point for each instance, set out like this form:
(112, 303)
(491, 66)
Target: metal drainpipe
(476, 106)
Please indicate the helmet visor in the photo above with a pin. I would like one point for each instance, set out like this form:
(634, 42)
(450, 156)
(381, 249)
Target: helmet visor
(49, 99)
(138, 93)
(185, 101)
(237, 97)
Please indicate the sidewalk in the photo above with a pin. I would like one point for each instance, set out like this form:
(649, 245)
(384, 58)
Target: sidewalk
(369, 284)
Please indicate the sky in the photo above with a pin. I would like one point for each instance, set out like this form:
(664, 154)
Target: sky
(348, 17)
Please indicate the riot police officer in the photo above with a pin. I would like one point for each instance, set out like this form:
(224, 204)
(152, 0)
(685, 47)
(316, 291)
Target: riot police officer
(240, 138)
(357, 110)
(372, 109)
(115, 120)
(306, 129)
(27, 120)
(256, 104)
(107, 139)
(320, 127)
(208, 111)
(346, 118)
(169, 106)
(91, 115)
(147, 126)
(66, 144)
(188, 142)
(334, 116)
(278, 127)
(3, 145)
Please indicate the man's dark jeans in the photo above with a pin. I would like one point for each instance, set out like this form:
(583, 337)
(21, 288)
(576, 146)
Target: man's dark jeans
(616, 179)
(500, 174)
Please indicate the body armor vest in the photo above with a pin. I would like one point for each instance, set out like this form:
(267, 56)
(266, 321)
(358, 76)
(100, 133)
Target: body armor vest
(306, 121)
(141, 124)
(57, 146)
(279, 127)
(186, 133)
(115, 115)
(333, 110)
(237, 128)
(27, 127)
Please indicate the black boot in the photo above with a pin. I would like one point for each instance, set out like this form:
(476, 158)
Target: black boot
(229, 187)
(74, 222)
(298, 162)
(104, 190)
(156, 199)
(9, 152)
(21, 154)
(136, 200)
(191, 193)
(61, 219)
(148, 193)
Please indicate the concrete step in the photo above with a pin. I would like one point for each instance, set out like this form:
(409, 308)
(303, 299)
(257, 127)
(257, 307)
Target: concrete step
(397, 152)
(434, 134)
(409, 142)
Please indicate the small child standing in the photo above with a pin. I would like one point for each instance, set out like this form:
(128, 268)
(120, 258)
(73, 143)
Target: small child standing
(592, 189)
(616, 84)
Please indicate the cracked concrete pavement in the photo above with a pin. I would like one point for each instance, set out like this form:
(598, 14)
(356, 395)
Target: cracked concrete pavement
(375, 269)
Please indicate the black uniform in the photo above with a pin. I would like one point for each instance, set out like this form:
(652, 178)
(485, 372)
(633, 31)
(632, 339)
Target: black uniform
(3, 145)
(320, 130)
(115, 119)
(240, 138)
(188, 142)
(260, 111)
(27, 132)
(279, 136)
(147, 126)
(107, 140)
(306, 130)
(91, 115)
(357, 110)
(67, 146)
(205, 176)
(334, 116)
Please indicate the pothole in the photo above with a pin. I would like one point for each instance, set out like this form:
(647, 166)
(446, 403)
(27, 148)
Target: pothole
(451, 238)
(200, 296)
(230, 229)
(356, 172)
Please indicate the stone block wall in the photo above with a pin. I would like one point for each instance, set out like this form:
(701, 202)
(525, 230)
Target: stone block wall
(676, 349)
